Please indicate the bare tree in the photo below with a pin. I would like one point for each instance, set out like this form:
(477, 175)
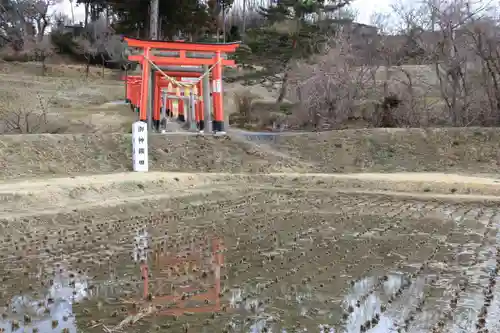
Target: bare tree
(88, 50)
(245, 15)
(38, 12)
(43, 49)
(482, 35)
(101, 45)
(19, 115)
(403, 101)
(108, 45)
(459, 40)
(452, 56)
(328, 91)
(22, 20)
(12, 24)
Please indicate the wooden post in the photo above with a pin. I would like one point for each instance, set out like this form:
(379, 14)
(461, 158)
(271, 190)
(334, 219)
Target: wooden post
(156, 103)
(207, 102)
(180, 104)
(200, 107)
(146, 72)
(218, 123)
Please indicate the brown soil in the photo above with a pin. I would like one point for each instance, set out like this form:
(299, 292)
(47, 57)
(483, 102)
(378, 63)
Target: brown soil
(298, 253)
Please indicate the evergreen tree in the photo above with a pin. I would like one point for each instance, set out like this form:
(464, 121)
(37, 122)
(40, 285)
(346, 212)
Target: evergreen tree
(189, 16)
(293, 31)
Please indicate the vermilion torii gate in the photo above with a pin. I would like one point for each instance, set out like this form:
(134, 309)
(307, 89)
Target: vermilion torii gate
(174, 60)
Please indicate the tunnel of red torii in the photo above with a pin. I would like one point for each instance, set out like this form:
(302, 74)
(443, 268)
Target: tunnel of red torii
(153, 93)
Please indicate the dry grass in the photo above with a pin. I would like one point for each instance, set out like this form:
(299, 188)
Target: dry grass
(38, 155)
(468, 150)
(472, 150)
(70, 103)
(55, 70)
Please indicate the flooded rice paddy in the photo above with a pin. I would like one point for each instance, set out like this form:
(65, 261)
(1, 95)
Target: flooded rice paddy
(262, 261)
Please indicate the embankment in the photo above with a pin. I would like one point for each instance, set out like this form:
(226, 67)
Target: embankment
(460, 150)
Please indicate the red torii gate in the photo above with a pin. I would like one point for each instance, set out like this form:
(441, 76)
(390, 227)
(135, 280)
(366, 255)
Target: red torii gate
(158, 55)
(133, 85)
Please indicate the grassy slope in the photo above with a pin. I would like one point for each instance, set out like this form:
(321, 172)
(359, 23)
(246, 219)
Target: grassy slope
(35, 155)
(445, 150)
(472, 150)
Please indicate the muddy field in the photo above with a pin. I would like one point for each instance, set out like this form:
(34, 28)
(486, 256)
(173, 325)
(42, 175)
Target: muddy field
(290, 258)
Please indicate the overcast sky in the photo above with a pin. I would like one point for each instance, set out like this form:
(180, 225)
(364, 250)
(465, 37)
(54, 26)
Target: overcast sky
(365, 8)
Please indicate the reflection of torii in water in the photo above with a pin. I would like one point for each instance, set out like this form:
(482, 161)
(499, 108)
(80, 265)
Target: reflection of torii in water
(55, 308)
(177, 264)
(140, 246)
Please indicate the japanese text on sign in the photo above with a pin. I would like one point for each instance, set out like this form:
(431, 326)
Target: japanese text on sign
(140, 146)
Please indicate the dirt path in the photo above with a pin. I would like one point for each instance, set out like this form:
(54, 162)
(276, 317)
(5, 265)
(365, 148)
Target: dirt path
(187, 179)
(84, 192)
(426, 177)
(28, 198)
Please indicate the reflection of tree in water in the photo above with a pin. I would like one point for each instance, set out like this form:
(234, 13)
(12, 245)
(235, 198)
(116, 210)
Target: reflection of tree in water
(372, 301)
(53, 313)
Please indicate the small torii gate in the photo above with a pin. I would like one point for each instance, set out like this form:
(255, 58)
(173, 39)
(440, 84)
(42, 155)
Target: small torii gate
(170, 61)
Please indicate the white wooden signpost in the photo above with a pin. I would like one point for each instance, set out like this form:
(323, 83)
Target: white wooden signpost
(140, 146)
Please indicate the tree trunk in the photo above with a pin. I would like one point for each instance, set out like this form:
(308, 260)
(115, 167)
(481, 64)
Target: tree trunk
(41, 25)
(87, 68)
(224, 22)
(284, 86)
(286, 74)
(153, 19)
(72, 12)
(244, 27)
(87, 5)
(44, 67)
